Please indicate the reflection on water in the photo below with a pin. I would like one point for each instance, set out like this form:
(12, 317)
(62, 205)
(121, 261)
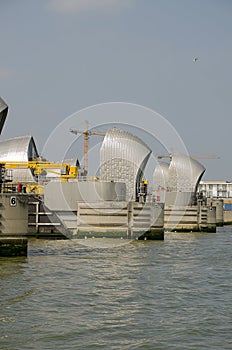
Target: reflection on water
(174, 294)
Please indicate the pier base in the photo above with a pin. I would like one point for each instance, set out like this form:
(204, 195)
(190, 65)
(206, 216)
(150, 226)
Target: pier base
(194, 218)
(131, 220)
(153, 234)
(13, 247)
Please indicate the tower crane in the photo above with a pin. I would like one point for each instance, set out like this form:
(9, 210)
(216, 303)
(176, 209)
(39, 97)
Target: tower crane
(195, 157)
(87, 133)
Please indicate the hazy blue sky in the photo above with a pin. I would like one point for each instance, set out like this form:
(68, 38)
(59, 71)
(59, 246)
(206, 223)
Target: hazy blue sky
(58, 56)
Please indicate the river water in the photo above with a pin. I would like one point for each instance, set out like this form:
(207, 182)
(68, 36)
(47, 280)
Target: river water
(175, 294)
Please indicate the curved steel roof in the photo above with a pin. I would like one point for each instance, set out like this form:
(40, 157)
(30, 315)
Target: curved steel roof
(184, 173)
(177, 182)
(3, 113)
(19, 149)
(123, 158)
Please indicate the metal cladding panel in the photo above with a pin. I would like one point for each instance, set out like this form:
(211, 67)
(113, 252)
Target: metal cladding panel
(123, 158)
(160, 181)
(184, 173)
(3, 113)
(19, 149)
(160, 176)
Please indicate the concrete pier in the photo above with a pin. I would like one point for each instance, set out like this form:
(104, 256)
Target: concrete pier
(13, 214)
(196, 218)
(218, 204)
(207, 219)
(100, 209)
(13, 246)
(131, 220)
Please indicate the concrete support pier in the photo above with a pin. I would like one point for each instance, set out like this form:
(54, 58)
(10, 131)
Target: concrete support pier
(129, 220)
(13, 214)
(13, 247)
(195, 218)
(218, 204)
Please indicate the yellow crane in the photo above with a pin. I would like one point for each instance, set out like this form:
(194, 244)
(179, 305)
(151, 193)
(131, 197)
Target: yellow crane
(87, 133)
(40, 167)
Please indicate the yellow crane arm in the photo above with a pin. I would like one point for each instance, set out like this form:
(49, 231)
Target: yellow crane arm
(38, 167)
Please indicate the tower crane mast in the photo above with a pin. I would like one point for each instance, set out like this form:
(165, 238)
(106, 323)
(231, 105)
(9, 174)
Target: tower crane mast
(87, 133)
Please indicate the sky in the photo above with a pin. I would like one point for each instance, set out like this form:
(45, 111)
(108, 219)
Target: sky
(62, 56)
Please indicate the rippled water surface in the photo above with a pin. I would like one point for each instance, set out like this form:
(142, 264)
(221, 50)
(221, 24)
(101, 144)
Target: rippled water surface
(175, 294)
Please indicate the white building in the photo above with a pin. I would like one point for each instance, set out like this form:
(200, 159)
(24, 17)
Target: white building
(216, 189)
